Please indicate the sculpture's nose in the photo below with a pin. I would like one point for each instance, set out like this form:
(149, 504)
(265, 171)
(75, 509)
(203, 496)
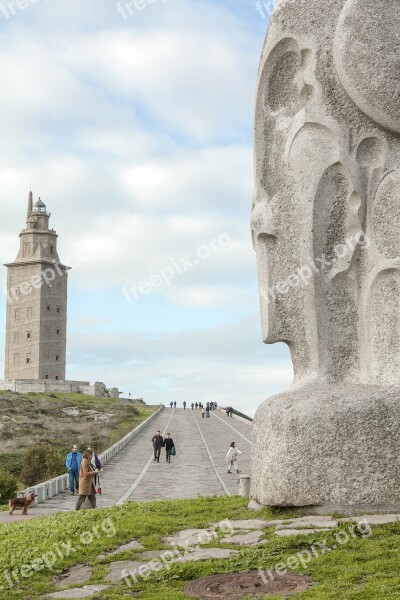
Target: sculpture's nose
(262, 220)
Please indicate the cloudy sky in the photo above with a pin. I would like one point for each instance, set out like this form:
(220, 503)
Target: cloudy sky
(136, 131)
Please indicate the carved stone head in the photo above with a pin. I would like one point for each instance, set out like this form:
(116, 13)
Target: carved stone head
(326, 211)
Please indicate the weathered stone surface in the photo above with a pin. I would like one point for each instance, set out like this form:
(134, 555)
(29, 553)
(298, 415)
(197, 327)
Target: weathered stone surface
(150, 554)
(121, 569)
(325, 229)
(190, 537)
(244, 539)
(374, 519)
(290, 532)
(206, 554)
(88, 591)
(317, 522)
(133, 545)
(75, 575)
(246, 524)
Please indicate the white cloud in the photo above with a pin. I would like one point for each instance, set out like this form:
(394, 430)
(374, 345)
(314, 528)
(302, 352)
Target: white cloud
(137, 134)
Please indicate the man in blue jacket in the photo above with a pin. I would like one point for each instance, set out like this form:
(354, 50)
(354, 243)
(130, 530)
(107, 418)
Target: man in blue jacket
(73, 464)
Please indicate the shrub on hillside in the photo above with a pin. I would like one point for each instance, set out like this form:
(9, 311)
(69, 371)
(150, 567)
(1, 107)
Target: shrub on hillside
(8, 486)
(12, 463)
(42, 462)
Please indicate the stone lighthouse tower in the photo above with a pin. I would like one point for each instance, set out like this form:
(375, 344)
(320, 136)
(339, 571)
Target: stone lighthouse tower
(36, 303)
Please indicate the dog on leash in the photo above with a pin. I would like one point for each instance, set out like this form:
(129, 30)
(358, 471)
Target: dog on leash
(21, 503)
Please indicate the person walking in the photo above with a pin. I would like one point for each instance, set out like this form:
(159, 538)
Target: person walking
(175, 404)
(231, 458)
(158, 443)
(192, 406)
(73, 464)
(169, 444)
(171, 404)
(86, 484)
(96, 464)
(197, 405)
(207, 410)
(203, 413)
(184, 405)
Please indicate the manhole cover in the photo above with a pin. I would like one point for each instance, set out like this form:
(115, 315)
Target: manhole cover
(241, 585)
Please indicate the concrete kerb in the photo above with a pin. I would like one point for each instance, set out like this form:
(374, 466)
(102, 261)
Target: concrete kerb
(57, 485)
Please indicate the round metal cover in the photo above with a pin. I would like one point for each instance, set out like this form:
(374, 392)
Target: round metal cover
(251, 585)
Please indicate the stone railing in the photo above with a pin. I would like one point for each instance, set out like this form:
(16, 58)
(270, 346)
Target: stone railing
(239, 416)
(53, 487)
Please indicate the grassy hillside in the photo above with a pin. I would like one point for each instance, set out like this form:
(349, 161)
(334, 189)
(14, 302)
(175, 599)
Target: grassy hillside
(365, 568)
(61, 420)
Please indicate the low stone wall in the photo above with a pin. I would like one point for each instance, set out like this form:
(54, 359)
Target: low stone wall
(43, 386)
(53, 487)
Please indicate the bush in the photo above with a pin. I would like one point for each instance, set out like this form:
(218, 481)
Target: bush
(12, 463)
(42, 462)
(8, 486)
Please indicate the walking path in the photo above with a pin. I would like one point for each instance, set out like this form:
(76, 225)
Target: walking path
(198, 469)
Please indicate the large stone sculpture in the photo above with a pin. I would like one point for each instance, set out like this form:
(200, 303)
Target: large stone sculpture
(326, 229)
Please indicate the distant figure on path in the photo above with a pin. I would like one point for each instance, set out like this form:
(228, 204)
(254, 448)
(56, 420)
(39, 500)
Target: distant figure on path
(208, 410)
(203, 412)
(158, 443)
(231, 458)
(184, 406)
(192, 406)
(171, 404)
(196, 405)
(169, 444)
(175, 404)
(73, 464)
(229, 411)
(86, 484)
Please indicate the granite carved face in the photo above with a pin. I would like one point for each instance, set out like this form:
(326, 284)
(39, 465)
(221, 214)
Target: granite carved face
(326, 209)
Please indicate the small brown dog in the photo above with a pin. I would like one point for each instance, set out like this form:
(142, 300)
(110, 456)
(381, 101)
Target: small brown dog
(21, 503)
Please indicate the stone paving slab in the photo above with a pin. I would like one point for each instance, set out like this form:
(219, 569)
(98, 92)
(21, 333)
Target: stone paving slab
(323, 523)
(245, 539)
(189, 537)
(117, 571)
(133, 545)
(290, 532)
(206, 554)
(246, 524)
(75, 575)
(87, 591)
(373, 519)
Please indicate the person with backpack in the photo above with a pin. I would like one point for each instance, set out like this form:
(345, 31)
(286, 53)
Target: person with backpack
(96, 464)
(73, 464)
(169, 444)
(231, 457)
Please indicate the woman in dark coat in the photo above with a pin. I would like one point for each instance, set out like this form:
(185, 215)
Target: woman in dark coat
(86, 481)
(169, 444)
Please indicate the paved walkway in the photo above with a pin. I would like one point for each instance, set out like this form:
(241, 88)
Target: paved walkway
(198, 469)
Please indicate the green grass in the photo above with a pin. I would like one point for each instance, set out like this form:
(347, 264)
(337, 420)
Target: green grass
(364, 568)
